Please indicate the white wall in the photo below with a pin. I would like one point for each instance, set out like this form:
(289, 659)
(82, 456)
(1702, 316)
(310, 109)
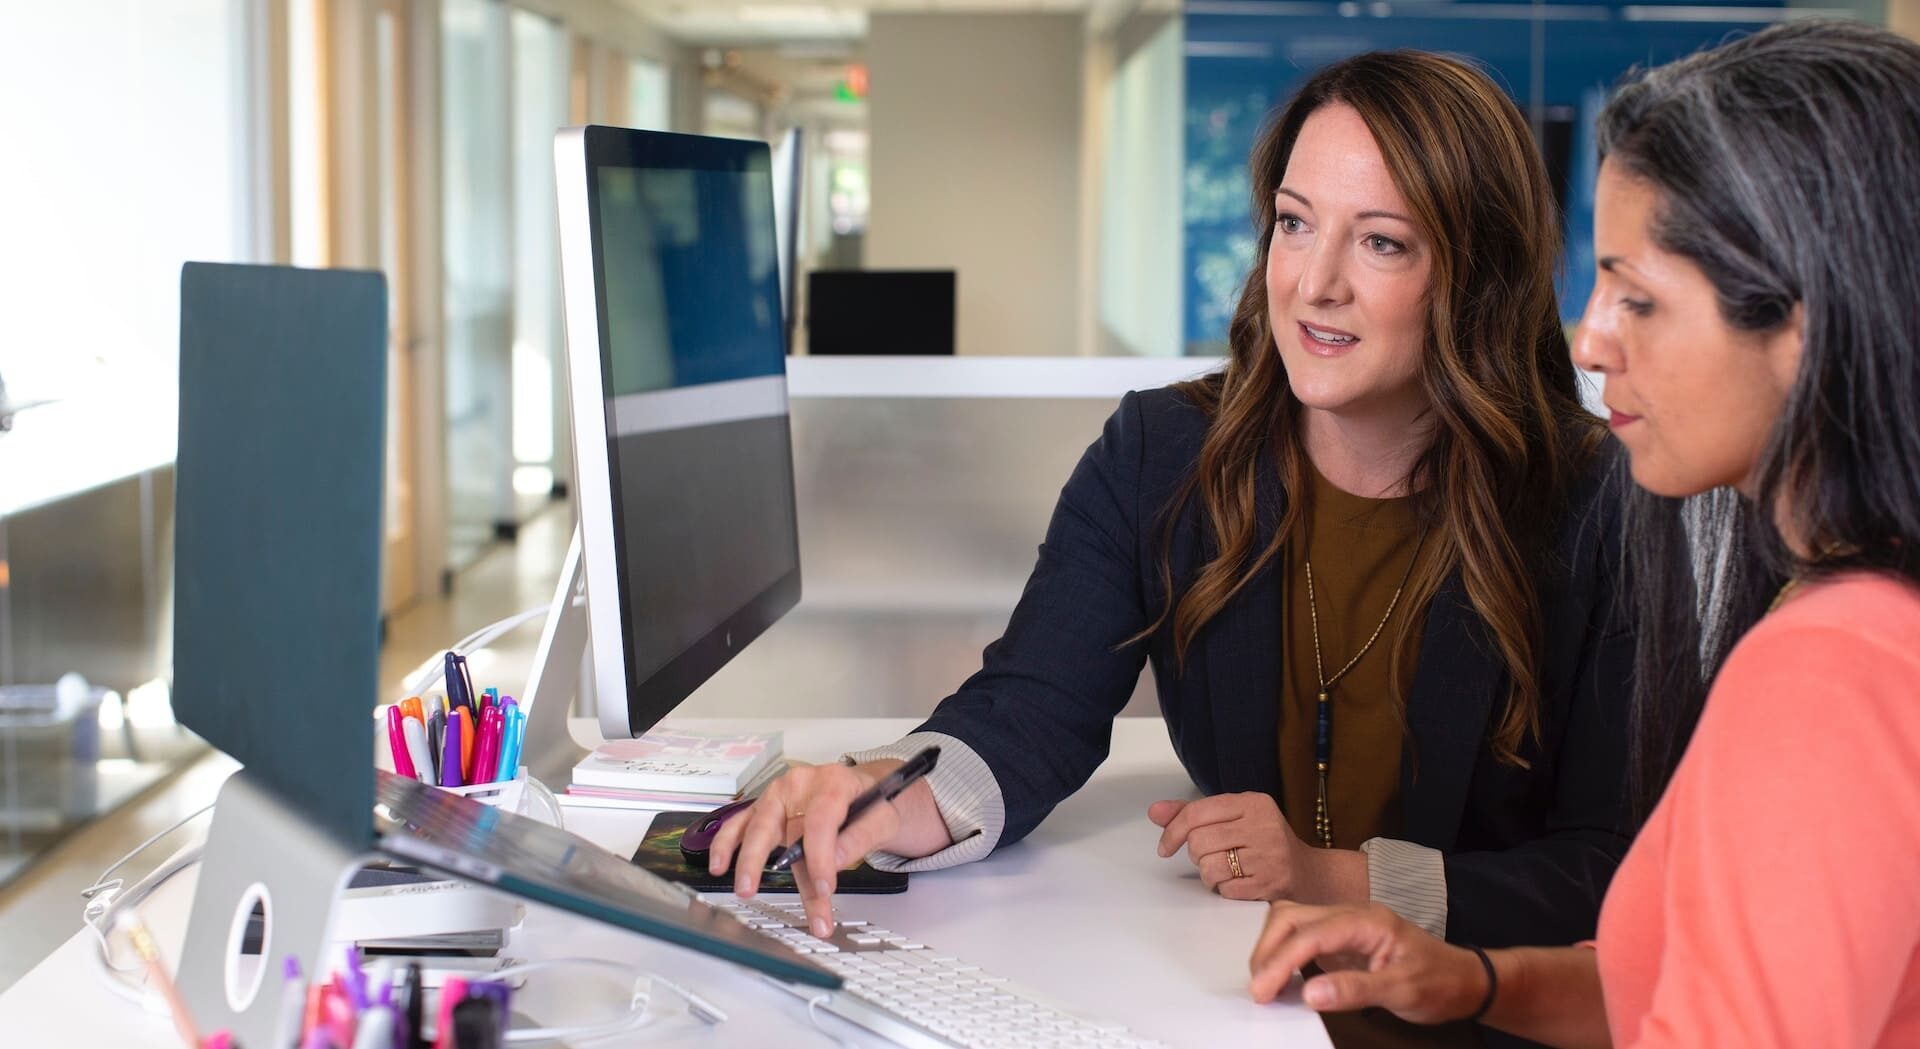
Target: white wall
(126, 156)
(975, 166)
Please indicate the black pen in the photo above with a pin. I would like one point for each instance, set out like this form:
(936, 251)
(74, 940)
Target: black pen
(885, 790)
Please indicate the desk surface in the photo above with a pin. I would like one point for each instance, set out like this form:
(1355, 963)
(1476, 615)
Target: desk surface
(1082, 912)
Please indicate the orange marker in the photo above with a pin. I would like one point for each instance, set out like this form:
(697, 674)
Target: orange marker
(410, 707)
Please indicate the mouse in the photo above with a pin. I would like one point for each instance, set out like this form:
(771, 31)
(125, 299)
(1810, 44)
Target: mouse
(701, 832)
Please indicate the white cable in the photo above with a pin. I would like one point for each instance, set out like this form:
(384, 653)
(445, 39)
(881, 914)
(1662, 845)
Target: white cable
(107, 898)
(430, 672)
(105, 904)
(109, 895)
(813, 1004)
(102, 886)
(639, 1005)
(556, 813)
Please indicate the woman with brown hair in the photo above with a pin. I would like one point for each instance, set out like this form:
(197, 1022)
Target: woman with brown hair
(1365, 560)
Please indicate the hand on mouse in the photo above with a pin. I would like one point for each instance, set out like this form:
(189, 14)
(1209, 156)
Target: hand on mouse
(810, 802)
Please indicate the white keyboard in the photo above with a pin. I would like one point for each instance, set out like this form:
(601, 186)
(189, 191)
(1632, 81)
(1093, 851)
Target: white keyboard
(915, 997)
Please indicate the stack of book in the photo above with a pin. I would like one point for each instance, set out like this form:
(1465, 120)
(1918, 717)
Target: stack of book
(671, 769)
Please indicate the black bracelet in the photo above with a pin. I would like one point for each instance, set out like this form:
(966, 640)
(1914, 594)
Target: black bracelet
(1493, 983)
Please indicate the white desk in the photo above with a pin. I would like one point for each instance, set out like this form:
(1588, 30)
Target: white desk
(1083, 912)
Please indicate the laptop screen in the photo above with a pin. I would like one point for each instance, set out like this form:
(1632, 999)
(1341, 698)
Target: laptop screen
(548, 865)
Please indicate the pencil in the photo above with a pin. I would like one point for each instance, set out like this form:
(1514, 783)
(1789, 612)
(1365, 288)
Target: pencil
(149, 953)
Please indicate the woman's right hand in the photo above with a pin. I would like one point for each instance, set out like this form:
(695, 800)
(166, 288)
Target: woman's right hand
(1373, 957)
(808, 803)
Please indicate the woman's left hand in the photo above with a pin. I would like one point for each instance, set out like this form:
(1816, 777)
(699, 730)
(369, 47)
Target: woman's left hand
(1373, 957)
(1274, 864)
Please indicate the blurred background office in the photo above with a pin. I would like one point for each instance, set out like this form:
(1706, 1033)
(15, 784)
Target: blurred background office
(1010, 178)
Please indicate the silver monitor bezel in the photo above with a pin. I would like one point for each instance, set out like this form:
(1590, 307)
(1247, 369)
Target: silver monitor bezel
(578, 151)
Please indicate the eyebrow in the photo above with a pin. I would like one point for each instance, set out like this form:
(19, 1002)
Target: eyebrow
(1614, 263)
(1369, 214)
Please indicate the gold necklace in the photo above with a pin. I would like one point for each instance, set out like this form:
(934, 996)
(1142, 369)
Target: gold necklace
(1799, 578)
(1323, 703)
(1786, 591)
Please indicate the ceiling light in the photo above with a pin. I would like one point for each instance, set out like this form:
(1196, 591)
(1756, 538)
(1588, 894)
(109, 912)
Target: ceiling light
(809, 13)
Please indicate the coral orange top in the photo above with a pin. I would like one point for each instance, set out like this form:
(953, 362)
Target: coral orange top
(1773, 899)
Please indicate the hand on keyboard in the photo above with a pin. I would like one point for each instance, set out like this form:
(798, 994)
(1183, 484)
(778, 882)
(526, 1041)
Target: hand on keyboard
(810, 802)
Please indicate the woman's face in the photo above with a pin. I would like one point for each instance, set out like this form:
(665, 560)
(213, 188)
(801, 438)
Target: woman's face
(1347, 273)
(1692, 398)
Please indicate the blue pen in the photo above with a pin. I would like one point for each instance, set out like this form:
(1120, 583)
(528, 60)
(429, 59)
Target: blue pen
(516, 735)
(450, 758)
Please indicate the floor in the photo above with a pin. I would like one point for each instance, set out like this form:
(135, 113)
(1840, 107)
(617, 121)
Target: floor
(41, 909)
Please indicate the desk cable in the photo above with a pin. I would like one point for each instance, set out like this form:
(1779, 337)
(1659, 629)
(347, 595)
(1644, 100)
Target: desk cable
(109, 897)
(815, 1001)
(813, 1015)
(639, 1012)
(429, 673)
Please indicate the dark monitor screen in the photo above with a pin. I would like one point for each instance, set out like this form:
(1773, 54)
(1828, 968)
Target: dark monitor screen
(907, 312)
(698, 480)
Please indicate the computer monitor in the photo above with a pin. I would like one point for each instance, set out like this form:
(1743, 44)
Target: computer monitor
(676, 359)
(890, 312)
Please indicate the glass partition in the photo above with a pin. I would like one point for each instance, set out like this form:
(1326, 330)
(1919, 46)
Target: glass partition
(540, 57)
(477, 209)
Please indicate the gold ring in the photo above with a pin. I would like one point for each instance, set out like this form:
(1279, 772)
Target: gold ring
(802, 814)
(1233, 862)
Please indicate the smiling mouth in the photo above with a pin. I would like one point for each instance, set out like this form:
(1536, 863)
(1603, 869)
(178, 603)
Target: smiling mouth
(1328, 336)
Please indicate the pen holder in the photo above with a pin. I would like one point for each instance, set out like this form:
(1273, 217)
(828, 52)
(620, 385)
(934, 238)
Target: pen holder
(522, 795)
(507, 794)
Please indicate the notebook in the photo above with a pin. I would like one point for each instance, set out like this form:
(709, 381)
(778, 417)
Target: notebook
(667, 760)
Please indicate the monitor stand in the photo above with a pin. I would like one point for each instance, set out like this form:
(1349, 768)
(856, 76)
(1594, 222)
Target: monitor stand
(549, 751)
(262, 853)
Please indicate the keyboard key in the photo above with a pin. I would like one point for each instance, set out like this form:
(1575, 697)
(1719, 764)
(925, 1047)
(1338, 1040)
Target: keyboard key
(939, 993)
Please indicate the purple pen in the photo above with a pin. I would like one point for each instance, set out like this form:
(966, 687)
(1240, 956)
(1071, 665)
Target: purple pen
(293, 1003)
(450, 756)
(356, 981)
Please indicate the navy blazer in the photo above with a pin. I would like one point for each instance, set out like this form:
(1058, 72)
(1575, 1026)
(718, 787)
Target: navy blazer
(1528, 851)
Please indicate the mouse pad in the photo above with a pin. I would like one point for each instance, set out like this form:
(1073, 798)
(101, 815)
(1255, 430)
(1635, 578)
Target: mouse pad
(659, 852)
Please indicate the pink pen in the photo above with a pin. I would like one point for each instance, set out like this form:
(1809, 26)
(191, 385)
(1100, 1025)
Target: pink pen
(486, 752)
(452, 992)
(397, 743)
(340, 1017)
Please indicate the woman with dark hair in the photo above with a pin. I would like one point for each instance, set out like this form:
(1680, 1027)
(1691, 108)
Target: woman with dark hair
(1755, 319)
(1365, 561)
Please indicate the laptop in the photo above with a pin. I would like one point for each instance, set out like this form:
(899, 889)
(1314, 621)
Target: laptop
(278, 534)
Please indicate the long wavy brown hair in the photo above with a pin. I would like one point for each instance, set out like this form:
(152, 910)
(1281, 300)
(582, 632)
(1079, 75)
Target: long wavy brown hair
(1509, 431)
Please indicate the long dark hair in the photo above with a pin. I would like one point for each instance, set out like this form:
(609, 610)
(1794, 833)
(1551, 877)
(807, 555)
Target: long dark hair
(1786, 165)
(1509, 429)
